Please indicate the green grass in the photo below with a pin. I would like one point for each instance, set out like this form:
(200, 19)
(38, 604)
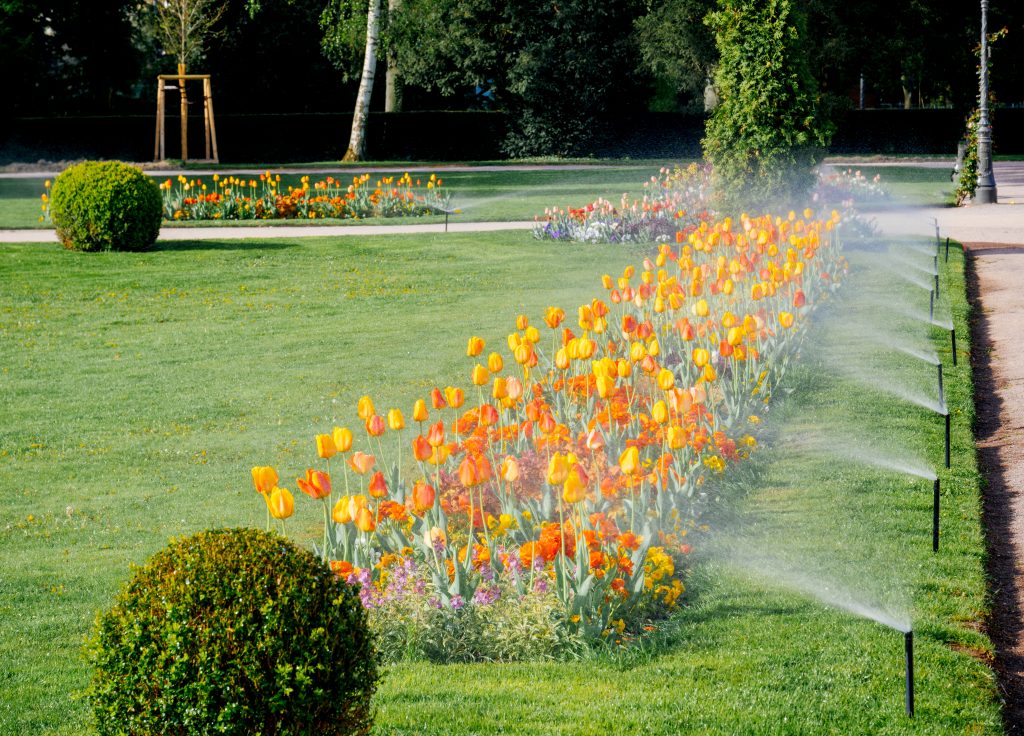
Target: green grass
(140, 388)
(481, 195)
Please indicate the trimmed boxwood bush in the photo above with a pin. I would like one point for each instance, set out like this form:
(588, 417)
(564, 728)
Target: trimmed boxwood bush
(105, 205)
(233, 631)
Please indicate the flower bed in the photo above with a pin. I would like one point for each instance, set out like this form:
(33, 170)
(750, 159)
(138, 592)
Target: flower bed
(562, 492)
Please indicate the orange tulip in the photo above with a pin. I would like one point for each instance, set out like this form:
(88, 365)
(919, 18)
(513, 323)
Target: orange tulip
(375, 425)
(280, 502)
(495, 363)
(364, 520)
(361, 462)
(437, 399)
(395, 420)
(419, 411)
(435, 435)
(342, 439)
(325, 446)
(378, 487)
(264, 478)
(423, 495)
(595, 440)
(364, 408)
(558, 469)
(629, 461)
(316, 484)
(799, 299)
(515, 388)
(488, 416)
(421, 448)
(474, 347)
(469, 474)
(553, 317)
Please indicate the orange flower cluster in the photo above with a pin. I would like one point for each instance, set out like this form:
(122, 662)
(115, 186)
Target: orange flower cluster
(576, 455)
(235, 198)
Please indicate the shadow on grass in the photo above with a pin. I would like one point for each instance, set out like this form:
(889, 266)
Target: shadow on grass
(223, 245)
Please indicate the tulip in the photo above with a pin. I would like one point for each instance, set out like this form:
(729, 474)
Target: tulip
(280, 502)
(364, 520)
(659, 412)
(500, 388)
(515, 388)
(623, 368)
(479, 375)
(637, 352)
(435, 435)
(509, 470)
(558, 469)
(666, 379)
(419, 411)
(574, 489)
(654, 348)
(316, 484)
(701, 357)
(605, 386)
(355, 503)
(595, 440)
(532, 335)
(522, 322)
(325, 446)
(474, 347)
(469, 475)
(629, 461)
(786, 319)
(423, 495)
(523, 353)
(421, 448)
(378, 487)
(709, 373)
(799, 299)
(342, 439)
(547, 424)
(364, 408)
(701, 308)
(553, 317)
(677, 437)
(395, 420)
(439, 455)
(455, 396)
(495, 363)
(375, 425)
(561, 359)
(488, 415)
(264, 478)
(340, 512)
(437, 399)
(361, 462)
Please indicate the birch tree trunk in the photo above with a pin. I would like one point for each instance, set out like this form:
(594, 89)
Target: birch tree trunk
(393, 79)
(357, 140)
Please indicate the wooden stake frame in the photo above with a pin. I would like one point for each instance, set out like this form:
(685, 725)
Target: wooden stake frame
(209, 127)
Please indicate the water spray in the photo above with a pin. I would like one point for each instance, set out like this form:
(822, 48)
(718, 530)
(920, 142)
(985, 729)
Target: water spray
(935, 515)
(908, 649)
(952, 337)
(947, 436)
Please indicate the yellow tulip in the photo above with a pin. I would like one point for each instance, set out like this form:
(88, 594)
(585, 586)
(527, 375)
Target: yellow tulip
(666, 379)
(325, 446)
(677, 437)
(495, 363)
(701, 357)
(419, 411)
(629, 461)
(395, 420)
(574, 489)
(659, 412)
(342, 439)
(340, 512)
(474, 346)
(364, 408)
(280, 502)
(558, 469)
(479, 375)
(786, 319)
(264, 478)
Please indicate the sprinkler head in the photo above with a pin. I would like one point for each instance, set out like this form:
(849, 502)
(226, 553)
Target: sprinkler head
(908, 653)
(935, 516)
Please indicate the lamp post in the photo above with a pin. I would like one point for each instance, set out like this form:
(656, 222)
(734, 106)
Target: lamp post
(985, 193)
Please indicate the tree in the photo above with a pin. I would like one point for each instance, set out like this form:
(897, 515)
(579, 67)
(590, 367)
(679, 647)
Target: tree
(183, 28)
(765, 137)
(677, 46)
(357, 138)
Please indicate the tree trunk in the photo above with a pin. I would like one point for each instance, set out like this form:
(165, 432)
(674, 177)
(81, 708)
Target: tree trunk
(392, 80)
(357, 140)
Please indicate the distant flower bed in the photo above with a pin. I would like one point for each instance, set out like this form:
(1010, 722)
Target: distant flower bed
(238, 198)
(675, 204)
(849, 186)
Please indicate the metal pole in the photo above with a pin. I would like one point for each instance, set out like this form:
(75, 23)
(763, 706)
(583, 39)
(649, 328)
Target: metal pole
(908, 649)
(985, 193)
(952, 337)
(935, 516)
(947, 437)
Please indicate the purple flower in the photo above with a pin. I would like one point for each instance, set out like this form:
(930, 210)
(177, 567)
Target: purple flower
(541, 585)
(486, 596)
(457, 602)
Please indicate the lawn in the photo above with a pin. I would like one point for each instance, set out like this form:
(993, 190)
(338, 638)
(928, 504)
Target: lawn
(140, 388)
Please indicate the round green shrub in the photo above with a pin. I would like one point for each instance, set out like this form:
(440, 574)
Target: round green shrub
(106, 205)
(233, 631)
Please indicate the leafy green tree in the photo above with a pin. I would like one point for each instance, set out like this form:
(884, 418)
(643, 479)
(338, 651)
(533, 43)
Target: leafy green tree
(766, 135)
(677, 46)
